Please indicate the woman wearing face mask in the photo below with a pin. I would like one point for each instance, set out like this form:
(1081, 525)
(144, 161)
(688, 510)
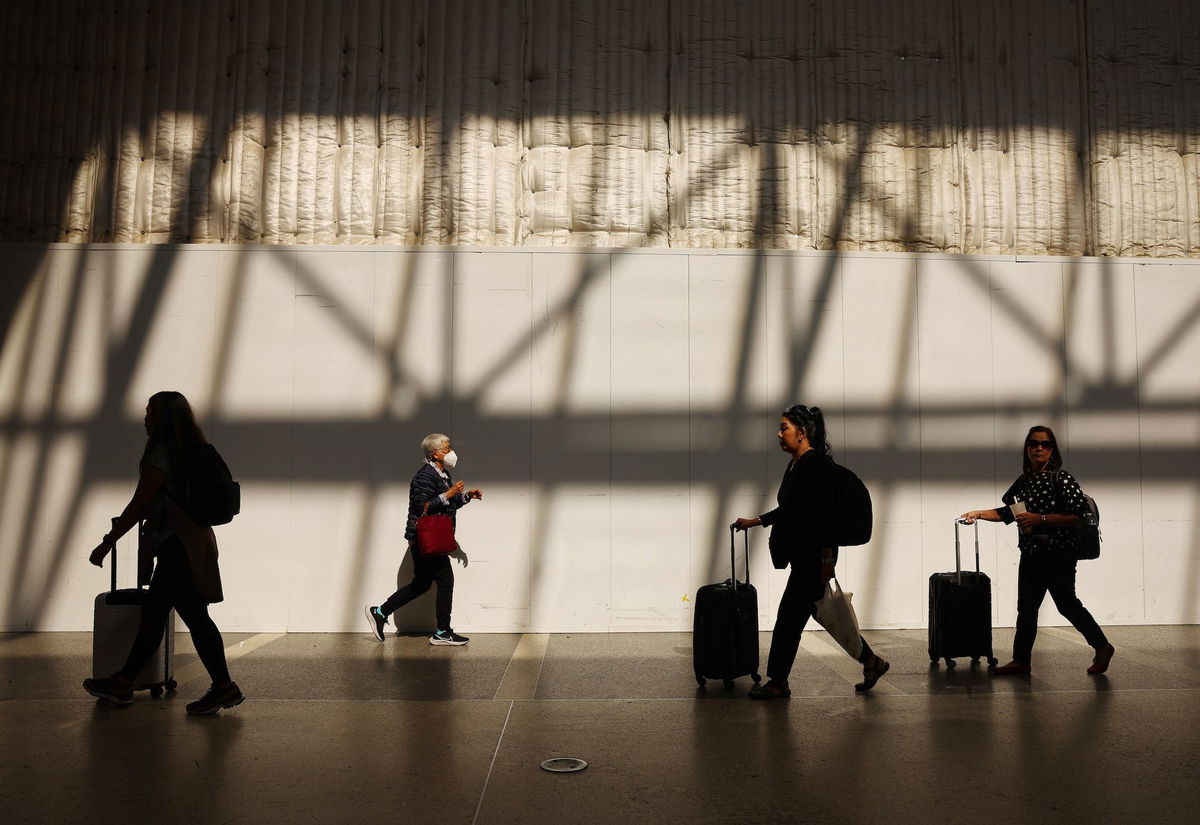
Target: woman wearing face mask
(431, 492)
(1053, 504)
(799, 537)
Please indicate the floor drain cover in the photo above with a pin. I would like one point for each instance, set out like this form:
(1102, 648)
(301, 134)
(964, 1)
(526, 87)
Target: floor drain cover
(564, 764)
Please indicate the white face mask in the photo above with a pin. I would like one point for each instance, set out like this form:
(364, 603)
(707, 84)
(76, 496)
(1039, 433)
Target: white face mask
(449, 460)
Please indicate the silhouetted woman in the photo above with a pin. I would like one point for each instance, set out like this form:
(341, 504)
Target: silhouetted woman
(1049, 541)
(800, 529)
(186, 576)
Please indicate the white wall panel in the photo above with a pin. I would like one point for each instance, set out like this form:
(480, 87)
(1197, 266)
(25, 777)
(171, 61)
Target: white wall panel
(333, 384)
(651, 508)
(882, 438)
(1103, 428)
(618, 408)
(490, 420)
(958, 432)
(1168, 345)
(571, 445)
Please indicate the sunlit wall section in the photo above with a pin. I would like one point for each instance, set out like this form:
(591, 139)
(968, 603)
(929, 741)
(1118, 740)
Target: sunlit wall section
(1057, 127)
(1146, 178)
(617, 408)
(1025, 185)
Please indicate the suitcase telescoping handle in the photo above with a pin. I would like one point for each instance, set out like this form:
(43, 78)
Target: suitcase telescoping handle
(958, 553)
(733, 557)
(113, 570)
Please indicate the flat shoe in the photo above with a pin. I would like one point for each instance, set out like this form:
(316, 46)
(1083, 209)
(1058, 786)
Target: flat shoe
(1012, 669)
(765, 693)
(1103, 657)
(871, 675)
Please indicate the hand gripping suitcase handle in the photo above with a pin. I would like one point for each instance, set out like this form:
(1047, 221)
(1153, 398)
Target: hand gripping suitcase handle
(958, 552)
(733, 557)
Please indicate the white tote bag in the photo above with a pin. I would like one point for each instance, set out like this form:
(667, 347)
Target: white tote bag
(835, 613)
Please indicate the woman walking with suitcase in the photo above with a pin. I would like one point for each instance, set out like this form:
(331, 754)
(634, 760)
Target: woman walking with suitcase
(800, 536)
(1047, 504)
(186, 576)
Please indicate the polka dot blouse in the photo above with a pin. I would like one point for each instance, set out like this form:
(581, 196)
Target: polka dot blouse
(1049, 493)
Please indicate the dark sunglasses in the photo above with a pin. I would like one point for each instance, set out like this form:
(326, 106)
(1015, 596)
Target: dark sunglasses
(1033, 442)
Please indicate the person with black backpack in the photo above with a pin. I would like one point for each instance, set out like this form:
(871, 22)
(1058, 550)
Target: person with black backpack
(183, 489)
(821, 504)
(1052, 514)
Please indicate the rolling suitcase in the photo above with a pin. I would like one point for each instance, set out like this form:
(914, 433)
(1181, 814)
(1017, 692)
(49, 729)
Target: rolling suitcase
(725, 628)
(960, 610)
(118, 613)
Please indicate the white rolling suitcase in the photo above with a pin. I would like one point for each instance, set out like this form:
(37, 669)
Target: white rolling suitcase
(118, 614)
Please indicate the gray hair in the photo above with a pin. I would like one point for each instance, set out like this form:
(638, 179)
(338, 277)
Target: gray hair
(432, 443)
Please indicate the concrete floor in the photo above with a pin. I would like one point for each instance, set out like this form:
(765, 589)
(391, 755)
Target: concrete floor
(339, 728)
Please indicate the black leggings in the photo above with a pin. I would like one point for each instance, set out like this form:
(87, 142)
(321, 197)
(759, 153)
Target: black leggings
(171, 586)
(799, 602)
(426, 571)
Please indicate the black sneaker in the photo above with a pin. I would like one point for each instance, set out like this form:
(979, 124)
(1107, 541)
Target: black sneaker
(377, 620)
(447, 637)
(215, 699)
(110, 690)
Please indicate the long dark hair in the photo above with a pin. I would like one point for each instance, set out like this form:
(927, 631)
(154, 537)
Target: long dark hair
(812, 421)
(172, 424)
(1055, 462)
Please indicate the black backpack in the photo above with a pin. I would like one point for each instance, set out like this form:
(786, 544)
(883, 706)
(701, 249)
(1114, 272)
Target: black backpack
(205, 489)
(1089, 527)
(852, 520)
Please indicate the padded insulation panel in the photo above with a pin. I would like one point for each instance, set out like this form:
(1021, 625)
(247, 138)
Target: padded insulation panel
(1026, 126)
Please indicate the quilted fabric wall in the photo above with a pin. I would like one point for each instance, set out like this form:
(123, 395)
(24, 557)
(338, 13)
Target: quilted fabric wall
(1030, 126)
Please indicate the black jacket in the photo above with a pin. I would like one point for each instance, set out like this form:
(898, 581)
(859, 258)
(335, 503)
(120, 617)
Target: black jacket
(800, 525)
(424, 488)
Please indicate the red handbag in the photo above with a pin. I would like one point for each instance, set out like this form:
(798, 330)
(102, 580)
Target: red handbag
(435, 535)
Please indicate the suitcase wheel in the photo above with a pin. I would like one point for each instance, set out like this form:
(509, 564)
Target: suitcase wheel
(756, 678)
(728, 684)
(974, 662)
(156, 692)
(934, 660)
(171, 685)
(993, 661)
(700, 680)
(950, 662)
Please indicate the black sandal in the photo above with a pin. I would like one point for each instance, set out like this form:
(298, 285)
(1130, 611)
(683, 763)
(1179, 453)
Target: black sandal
(872, 674)
(769, 690)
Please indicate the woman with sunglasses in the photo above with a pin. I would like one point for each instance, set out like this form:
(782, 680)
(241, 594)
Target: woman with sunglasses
(1048, 505)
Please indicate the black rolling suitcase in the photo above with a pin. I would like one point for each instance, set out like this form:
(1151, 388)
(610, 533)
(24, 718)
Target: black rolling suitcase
(118, 614)
(725, 627)
(960, 610)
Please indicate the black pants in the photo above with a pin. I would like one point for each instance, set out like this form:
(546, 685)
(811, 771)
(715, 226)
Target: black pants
(1042, 570)
(172, 586)
(426, 571)
(804, 589)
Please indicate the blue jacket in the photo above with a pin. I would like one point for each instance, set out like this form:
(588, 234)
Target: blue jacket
(425, 487)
